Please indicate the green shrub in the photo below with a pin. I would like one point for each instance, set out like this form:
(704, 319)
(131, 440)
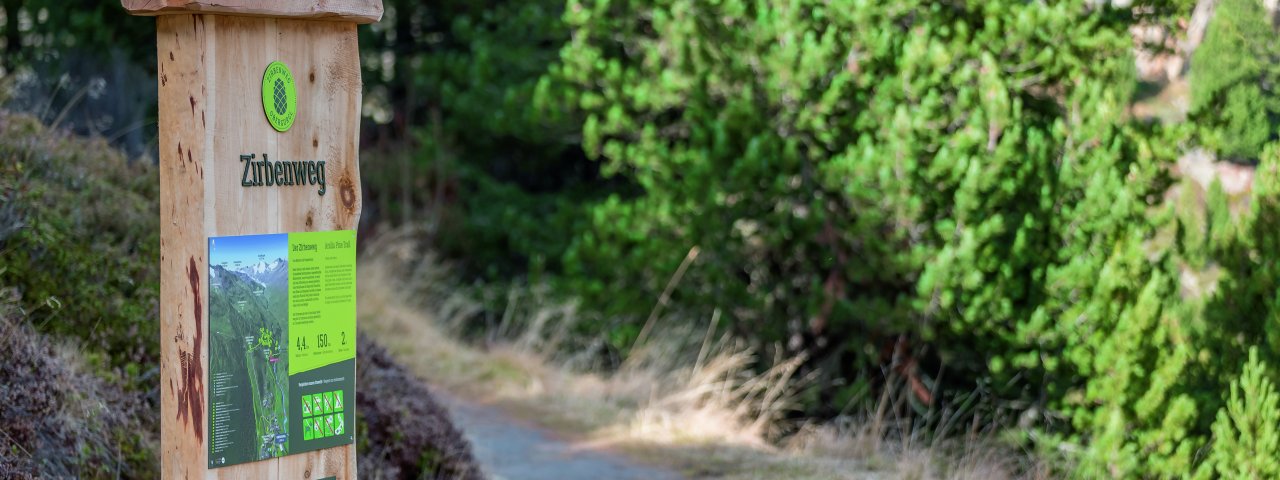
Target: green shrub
(1233, 74)
(960, 175)
(1246, 434)
(1163, 369)
(476, 66)
(80, 239)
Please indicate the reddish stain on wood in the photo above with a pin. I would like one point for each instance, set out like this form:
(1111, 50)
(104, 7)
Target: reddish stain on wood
(191, 393)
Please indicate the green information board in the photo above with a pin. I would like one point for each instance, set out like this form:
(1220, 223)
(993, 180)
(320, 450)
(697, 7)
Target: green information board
(282, 346)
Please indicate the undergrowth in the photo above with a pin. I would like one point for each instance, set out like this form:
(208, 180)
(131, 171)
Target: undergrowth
(58, 419)
(79, 241)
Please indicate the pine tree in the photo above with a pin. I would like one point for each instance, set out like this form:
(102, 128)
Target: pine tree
(1246, 434)
(1233, 74)
(961, 174)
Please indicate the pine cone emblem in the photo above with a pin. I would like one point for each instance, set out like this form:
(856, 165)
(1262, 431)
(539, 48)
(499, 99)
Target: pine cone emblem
(280, 97)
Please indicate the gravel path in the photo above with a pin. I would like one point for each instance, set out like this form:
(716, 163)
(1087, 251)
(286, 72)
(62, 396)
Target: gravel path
(509, 449)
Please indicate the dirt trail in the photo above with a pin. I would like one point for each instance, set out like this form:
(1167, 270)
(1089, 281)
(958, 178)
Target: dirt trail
(509, 449)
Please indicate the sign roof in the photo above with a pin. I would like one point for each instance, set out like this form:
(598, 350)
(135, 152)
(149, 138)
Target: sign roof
(357, 11)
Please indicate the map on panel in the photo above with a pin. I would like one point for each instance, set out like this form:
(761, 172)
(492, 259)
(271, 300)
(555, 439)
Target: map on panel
(281, 344)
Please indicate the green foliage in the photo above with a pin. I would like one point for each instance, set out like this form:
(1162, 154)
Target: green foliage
(84, 65)
(1233, 73)
(1246, 312)
(960, 174)
(468, 72)
(1139, 408)
(961, 179)
(1246, 439)
(1163, 368)
(469, 69)
(79, 239)
(43, 30)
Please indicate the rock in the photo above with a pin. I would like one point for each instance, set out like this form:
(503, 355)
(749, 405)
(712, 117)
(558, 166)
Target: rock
(1200, 166)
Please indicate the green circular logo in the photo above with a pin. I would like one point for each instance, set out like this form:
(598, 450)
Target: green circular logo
(279, 96)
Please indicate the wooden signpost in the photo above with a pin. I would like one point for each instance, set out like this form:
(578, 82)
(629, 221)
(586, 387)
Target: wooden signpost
(259, 115)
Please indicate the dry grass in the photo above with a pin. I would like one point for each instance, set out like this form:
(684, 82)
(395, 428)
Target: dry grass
(685, 399)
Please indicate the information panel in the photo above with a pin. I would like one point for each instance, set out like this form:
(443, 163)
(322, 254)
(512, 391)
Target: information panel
(282, 347)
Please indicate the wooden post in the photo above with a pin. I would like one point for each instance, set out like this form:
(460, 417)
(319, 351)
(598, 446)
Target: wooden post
(212, 58)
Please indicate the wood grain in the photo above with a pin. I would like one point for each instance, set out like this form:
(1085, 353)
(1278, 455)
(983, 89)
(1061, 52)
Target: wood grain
(210, 69)
(357, 11)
